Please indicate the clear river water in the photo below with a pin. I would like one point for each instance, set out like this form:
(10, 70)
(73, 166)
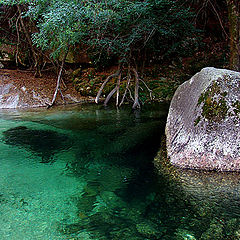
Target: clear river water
(85, 172)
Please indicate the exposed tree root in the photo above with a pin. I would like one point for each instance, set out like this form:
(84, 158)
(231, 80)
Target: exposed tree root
(127, 87)
(105, 82)
(133, 80)
(136, 103)
(109, 96)
(150, 91)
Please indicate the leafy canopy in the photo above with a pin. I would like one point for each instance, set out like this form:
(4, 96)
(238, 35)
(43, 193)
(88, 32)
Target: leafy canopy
(122, 28)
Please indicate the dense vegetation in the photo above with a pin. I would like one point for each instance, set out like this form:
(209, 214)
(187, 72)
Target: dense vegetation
(130, 34)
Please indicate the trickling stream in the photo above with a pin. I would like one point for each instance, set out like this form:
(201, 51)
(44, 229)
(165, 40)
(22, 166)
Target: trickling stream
(84, 172)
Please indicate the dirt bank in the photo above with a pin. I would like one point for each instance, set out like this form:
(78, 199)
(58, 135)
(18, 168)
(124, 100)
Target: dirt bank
(20, 89)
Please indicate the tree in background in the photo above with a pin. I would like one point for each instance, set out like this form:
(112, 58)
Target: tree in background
(230, 32)
(15, 29)
(234, 31)
(132, 32)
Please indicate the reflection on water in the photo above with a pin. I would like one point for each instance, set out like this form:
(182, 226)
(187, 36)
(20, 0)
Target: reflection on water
(101, 183)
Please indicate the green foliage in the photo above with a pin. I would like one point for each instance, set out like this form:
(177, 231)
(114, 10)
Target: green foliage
(125, 29)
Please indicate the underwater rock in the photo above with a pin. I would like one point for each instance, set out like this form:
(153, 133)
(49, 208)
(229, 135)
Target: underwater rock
(183, 234)
(213, 198)
(149, 230)
(133, 137)
(215, 232)
(84, 235)
(108, 201)
(203, 125)
(43, 143)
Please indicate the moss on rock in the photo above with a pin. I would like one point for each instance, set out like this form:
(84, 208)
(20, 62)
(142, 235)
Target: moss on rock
(214, 107)
(236, 106)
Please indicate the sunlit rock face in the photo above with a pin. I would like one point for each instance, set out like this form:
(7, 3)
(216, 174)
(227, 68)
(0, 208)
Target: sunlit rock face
(203, 123)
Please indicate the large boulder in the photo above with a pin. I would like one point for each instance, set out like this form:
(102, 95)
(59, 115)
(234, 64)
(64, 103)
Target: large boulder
(203, 125)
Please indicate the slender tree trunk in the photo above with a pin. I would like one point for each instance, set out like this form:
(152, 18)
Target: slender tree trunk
(58, 89)
(234, 28)
(26, 32)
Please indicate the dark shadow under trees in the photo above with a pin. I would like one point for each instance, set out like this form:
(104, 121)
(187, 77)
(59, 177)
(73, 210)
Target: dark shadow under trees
(133, 32)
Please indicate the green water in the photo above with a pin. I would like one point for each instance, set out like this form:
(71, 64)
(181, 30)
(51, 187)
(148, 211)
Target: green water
(85, 172)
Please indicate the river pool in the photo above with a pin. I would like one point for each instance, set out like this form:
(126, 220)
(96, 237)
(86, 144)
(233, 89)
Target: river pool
(85, 172)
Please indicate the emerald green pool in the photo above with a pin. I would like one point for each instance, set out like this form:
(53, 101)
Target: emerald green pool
(85, 172)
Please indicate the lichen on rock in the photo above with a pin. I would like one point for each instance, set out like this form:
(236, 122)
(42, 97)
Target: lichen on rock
(214, 106)
(202, 129)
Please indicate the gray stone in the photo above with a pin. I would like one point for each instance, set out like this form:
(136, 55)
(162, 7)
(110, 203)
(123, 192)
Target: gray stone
(24, 91)
(203, 125)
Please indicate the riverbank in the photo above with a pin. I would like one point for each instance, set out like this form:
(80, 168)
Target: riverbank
(20, 89)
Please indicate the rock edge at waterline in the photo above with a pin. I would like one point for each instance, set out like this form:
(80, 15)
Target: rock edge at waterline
(20, 89)
(203, 124)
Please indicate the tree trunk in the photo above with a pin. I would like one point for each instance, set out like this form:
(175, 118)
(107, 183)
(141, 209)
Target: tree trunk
(58, 82)
(28, 37)
(234, 28)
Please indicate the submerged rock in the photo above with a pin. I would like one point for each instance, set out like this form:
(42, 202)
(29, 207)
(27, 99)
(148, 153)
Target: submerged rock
(149, 230)
(182, 234)
(203, 125)
(215, 231)
(43, 143)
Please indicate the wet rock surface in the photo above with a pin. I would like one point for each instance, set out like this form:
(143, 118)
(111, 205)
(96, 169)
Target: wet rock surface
(202, 128)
